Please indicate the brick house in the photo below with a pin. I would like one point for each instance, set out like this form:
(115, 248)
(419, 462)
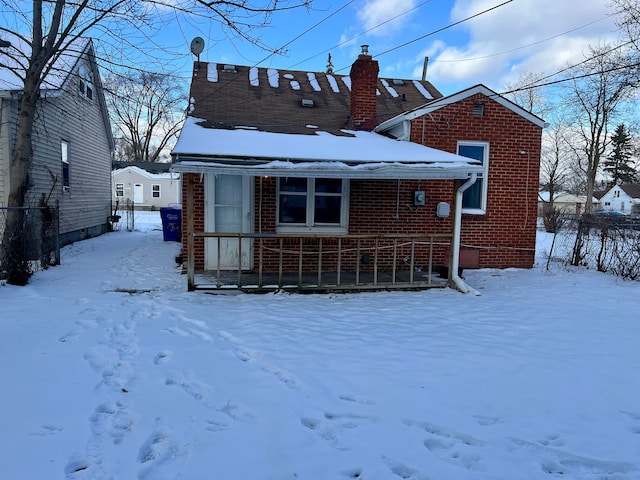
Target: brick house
(352, 181)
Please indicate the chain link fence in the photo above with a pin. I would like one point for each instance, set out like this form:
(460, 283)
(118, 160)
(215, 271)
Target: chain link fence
(606, 243)
(33, 233)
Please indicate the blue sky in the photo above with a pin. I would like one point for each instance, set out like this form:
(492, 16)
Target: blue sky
(494, 48)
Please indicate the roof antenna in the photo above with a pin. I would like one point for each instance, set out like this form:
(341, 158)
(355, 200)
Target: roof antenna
(424, 68)
(197, 46)
(329, 64)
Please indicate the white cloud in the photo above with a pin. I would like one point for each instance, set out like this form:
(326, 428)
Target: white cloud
(527, 35)
(376, 12)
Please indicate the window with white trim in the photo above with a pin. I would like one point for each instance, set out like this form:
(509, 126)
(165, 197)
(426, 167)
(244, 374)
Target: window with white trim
(155, 190)
(312, 205)
(119, 189)
(85, 82)
(474, 200)
(66, 178)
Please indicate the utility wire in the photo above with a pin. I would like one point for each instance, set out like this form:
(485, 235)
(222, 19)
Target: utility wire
(522, 46)
(361, 34)
(443, 28)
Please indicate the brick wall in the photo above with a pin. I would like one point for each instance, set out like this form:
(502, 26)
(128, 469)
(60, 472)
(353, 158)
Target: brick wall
(503, 237)
(376, 207)
(506, 235)
(198, 207)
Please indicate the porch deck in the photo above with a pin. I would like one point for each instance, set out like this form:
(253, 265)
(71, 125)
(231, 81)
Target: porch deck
(250, 282)
(323, 264)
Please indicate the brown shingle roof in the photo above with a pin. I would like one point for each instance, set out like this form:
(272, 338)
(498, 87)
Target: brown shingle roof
(251, 97)
(632, 189)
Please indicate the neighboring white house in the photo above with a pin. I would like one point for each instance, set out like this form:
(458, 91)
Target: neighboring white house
(147, 190)
(567, 203)
(622, 198)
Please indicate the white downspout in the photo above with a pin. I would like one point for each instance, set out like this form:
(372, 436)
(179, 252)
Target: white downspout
(455, 244)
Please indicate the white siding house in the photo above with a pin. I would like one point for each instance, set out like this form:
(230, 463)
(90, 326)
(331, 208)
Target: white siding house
(622, 198)
(72, 143)
(148, 191)
(566, 203)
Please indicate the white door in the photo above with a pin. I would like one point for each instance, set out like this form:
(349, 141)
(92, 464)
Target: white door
(138, 197)
(228, 210)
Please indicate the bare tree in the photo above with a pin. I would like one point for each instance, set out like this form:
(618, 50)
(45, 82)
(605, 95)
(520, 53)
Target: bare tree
(627, 13)
(596, 99)
(526, 93)
(147, 110)
(46, 29)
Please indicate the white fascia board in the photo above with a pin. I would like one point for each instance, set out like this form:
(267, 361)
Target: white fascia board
(380, 171)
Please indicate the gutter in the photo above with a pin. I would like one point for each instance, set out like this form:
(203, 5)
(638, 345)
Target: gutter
(454, 278)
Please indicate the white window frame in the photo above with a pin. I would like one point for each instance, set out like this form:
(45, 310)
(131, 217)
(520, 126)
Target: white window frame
(309, 226)
(119, 189)
(484, 176)
(154, 191)
(85, 83)
(66, 164)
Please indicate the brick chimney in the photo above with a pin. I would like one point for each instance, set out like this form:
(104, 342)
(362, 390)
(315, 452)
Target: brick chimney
(364, 82)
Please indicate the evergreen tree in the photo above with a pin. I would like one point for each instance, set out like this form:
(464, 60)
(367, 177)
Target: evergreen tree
(620, 164)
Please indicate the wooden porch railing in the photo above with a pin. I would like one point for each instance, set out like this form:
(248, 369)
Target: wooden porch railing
(323, 263)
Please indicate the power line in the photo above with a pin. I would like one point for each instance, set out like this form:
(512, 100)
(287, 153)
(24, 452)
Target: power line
(536, 83)
(522, 46)
(443, 28)
(297, 37)
(362, 33)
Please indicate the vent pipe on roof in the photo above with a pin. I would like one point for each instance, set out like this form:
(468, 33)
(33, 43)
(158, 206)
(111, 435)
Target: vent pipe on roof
(424, 68)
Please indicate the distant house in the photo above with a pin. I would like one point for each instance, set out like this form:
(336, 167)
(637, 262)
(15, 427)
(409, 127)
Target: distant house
(314, 173)
(72, 142)
(566, 203)
(149, 186)
(622, 198)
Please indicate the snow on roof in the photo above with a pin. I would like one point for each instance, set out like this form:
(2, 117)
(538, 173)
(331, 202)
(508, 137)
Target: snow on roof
(365, 150)
(253, 77)
(313, 81)
(333, 83)
(212, 73)
(389, 88)
(143, 172)
(423, 90)
(274, 77)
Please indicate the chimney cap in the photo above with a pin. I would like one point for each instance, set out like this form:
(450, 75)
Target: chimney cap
(365, 49)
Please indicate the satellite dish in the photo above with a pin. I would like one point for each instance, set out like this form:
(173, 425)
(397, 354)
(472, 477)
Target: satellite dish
(197, 46)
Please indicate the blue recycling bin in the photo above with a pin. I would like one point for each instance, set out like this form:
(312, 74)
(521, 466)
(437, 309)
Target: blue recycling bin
(171, 224)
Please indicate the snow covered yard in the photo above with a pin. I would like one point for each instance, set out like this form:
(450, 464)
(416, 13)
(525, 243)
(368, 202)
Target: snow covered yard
(111, 370)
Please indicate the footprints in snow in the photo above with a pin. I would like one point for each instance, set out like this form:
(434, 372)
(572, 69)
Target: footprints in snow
(453, 447)
(247, 355)
(161, 455)
(561, 463)
(332, 424)
(330, 428)
(112, 420)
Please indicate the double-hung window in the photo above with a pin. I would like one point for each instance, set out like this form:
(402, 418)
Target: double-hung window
(313, 205)
(155, 190)
(119, 189)
(474, 199)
